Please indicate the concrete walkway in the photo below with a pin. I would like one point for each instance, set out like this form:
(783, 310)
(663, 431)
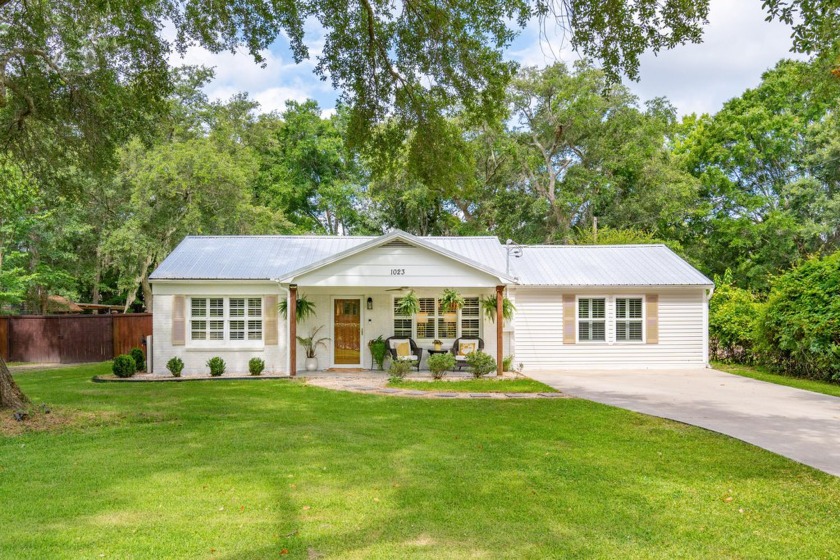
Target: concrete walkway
(801, 425)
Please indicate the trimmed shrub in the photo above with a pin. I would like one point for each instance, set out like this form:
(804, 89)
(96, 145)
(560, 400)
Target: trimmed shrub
(256, 366)
(216, 365)
(799, 329)
(124, 366)
(139, 358)
(480, 363)
(400, 368)
(439, 364)
(175, 366)
(733, 319)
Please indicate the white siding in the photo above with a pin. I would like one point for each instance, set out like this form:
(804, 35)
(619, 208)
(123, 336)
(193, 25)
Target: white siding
(418, 267)
(538, 325)
(195, 359)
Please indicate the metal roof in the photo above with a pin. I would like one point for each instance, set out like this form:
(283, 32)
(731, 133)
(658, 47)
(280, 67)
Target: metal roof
(604, 265)
(273, 257)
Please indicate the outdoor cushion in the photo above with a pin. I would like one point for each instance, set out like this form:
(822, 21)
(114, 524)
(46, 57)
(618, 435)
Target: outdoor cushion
(460, 358)
(403, 349)
(467, 346)
(409, 358)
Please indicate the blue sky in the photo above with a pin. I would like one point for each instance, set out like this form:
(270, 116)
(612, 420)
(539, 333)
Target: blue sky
(738, 47)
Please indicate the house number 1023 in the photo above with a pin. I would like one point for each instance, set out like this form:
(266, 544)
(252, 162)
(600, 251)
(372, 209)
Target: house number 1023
(397, 272)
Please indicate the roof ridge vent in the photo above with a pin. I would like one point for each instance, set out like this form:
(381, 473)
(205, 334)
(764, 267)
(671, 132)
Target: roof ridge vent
(397, 243)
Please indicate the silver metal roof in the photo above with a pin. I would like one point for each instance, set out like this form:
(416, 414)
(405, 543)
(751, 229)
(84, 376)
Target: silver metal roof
(272, 257)
(604, 265)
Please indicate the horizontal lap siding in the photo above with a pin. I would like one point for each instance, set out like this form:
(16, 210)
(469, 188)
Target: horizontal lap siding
(539, 334)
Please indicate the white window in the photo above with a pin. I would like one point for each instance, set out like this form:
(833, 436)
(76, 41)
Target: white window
(592, 319)
(434, 323)
(220, 319)
(628, 319)
(471, 318)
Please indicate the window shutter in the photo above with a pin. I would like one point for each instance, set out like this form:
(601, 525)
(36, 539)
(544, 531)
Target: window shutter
(569, 318)
(179, 323)
(270, 318)
(652, 318)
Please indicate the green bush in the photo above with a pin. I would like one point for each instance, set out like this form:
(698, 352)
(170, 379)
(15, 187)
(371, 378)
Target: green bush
(124, 366)
(216, 365)
(400, 368)
(175, 366)
(507, 363)
(733, 319)
(799, 330)
(439, 364)
(256, 366)
(379, 351)
(480, 363)
(139, 358)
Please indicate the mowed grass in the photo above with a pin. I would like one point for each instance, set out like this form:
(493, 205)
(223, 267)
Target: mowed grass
(486, 385)
(764, 374)
(278, 469)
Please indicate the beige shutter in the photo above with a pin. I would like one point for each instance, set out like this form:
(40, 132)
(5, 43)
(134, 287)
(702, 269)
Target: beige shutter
(652, 318)
(270, 318)
(179, 323)
(569, 318)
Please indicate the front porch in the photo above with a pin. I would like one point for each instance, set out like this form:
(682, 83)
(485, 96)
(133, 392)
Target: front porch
(349, 319)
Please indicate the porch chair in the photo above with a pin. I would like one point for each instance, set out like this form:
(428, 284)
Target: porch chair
(471, 344)
(415, 353)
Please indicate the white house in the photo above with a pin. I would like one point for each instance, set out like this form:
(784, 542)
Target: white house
(629, 306)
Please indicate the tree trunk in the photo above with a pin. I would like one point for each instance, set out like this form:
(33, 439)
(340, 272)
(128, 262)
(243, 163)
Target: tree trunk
(10, 394)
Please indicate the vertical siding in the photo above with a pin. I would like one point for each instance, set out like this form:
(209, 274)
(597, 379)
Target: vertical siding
(4, 338)
(539, 334)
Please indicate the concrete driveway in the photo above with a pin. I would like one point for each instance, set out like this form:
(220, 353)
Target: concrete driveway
(801, 425)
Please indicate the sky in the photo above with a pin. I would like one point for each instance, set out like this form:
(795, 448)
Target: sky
(738, 46)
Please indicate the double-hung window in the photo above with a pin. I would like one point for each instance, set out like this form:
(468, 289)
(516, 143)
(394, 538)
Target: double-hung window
(222, 318)
(628, 319)
(592, 319)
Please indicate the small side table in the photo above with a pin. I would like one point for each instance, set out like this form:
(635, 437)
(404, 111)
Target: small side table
(432, 351)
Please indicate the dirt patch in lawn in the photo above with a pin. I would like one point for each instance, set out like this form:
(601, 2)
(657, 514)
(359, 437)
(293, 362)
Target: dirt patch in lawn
(41, 419)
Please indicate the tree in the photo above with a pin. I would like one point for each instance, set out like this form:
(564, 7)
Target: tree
(767, 163)
(10, 394)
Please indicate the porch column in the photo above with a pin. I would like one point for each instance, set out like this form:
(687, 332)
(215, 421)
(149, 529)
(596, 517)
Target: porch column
(499, 329)
(292, 330)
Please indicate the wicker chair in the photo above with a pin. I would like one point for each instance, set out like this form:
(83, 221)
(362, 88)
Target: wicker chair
(460, 361)
(416, 351)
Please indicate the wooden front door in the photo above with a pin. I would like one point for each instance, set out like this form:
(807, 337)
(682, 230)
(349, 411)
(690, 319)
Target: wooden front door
(347, 331)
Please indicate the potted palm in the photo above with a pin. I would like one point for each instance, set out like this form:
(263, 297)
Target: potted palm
(310, 347)
(303, 309)
(378, 351)
(450, 302)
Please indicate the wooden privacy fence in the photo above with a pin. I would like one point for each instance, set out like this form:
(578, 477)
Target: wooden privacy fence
(71, 339)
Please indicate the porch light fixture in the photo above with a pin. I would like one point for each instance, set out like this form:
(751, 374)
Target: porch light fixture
(369, 303)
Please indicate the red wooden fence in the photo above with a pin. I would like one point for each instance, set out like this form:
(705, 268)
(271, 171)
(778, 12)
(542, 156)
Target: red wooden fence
(71, 338)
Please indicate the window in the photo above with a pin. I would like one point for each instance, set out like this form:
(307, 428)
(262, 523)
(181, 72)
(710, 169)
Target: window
(220, 319)
(402, 323)
(628, 319)
(470, 317)
(592, 320)
(434, 323)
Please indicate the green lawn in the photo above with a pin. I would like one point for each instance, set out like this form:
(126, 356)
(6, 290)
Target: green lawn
(279, 469)
(487, 385)
(763, 374)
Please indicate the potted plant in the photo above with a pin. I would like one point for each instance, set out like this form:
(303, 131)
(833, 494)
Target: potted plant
(310, 347)
(450, 302)
(379, 351)
(409, 304)
(438, 344)
(488, 306)
(303, 309)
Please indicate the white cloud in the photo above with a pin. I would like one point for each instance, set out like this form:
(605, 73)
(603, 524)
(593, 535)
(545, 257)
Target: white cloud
(738, 46)
(274, 99)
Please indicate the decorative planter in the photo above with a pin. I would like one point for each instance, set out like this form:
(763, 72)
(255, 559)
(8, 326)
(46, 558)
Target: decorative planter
(311, 364)
(438, 345)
